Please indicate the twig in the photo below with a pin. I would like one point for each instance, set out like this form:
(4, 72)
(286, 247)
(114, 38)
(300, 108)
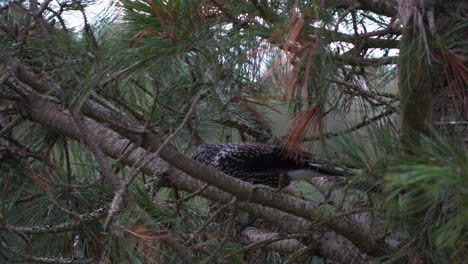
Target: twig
(190, 196)
(351, 129)
(234, 18)
(138, 85)
(36, 14)
(227, 232)
(16, 84)
(4, 77)
(342, 215)
(183, 252)
(186, 119)
(119, 194)
(355, 28)
(87, 26)
(67, 161)
(98, 101)
(389, 30)
(62, 208)
(26, 257)
(43, 7)
(360, 61)
(341, 18)
(58, 15)
(376, 97)
(10, 97)
(57, 228)
(275, 238)
(129, 148)
(207, 223)
(28, 198)
(374, 20)
(122, 72)
(89, 138)
(452, 123)
(11, 125)
(118, 199)
(299, 253)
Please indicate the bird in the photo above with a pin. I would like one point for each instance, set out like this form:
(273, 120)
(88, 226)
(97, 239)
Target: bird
(260, 163)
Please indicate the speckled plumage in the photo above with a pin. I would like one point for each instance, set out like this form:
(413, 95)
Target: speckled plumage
(257, 163)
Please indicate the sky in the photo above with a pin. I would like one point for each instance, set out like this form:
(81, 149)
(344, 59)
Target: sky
(74, 19)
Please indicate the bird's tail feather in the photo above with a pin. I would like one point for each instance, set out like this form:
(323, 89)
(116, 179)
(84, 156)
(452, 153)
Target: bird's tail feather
(314, 170)
(328, 171)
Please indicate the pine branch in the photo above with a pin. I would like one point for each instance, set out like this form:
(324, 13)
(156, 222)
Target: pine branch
(50, 116)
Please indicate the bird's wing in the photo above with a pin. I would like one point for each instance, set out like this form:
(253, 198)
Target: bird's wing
(251, 157)
(241, 159)
(205, 153)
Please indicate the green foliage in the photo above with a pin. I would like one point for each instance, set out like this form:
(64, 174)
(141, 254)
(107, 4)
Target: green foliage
(427, 197)
(421, 189)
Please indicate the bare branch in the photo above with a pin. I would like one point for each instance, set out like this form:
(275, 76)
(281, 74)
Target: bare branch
(43, 7)
(58, 15)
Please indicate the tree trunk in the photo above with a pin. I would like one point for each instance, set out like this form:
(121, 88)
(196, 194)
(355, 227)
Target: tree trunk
(427, 76)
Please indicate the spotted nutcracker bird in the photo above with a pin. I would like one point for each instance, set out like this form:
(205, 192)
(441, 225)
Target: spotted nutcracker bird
(260, 163)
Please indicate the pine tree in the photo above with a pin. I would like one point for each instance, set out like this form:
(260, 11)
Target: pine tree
(97, 121)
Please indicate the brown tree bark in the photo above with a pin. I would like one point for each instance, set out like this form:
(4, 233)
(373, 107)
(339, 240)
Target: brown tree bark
(433, 92)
